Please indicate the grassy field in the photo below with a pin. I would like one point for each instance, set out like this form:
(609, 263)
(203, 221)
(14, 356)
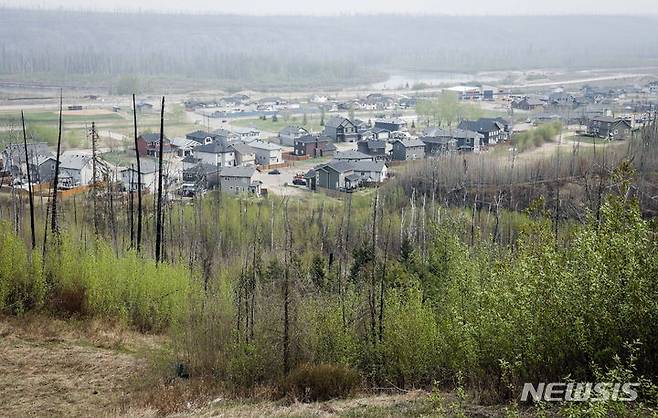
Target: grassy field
(312, 123)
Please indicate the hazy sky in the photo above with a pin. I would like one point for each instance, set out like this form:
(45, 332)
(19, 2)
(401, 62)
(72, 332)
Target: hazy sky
(334, 7)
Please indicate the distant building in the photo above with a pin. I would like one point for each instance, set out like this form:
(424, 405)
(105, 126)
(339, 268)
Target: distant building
(149, 174)
(314, 146)
(341, 129)
(289, 134)
(267, 153)
(528, 103)
(408, 149)
(234, 180)
(391, 125)
(374, 148)
(609, 127)
(202, 137)
(352, 156)
(218, 153)
(148, 144)
(13, 157)
(492, 129)
(245, 155)
(439, 141)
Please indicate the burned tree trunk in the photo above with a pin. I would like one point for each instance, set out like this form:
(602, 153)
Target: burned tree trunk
(139, 181)
(29, 184)
(158, 214)
(53, 225)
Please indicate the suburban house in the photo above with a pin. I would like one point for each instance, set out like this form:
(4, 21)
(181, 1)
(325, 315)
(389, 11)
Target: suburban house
(314, 146)
(149, 144)
(290, 134)
(244, 154)
(202, 137)
(79, 169)
(439, 141)
(391, 125)
(376, 133)
(42, 170)
(492, 130)
(183, 146)
(218, 153)
(13, 157)
(245, 134)
(235, 180)
(352, 156)
(562, 99)
(609, 127)
(334, 175)
(142, 106)
(374, 148)
(341, 129)
(370, 171)
(408, 149)
(148, 174)
(527, 103)
(267, 153)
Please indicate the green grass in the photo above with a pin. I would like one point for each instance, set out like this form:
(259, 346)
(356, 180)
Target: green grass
(312, 123)
(52, 117)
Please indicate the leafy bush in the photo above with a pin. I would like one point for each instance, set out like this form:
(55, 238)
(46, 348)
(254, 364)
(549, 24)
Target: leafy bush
(320, 382)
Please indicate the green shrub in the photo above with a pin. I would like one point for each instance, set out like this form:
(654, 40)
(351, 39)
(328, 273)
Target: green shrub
(320, 382)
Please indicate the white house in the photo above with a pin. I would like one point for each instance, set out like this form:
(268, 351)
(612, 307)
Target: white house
(370, 171)
(149, 176)
(267, 153)
(218, 154)
(289, 134)
(79, 168)
(245, 134)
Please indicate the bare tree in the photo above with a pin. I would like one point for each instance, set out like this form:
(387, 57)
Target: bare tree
(53, 226)
(139, 181)
(158, 214)
(29, 184)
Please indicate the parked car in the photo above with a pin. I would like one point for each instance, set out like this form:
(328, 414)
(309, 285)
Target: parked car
(275, 171)
(299, 182)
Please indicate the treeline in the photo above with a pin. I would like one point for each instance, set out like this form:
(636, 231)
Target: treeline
(251, 50)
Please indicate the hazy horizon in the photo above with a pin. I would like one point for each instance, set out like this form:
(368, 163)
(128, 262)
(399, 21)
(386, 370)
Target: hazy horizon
(347, 7)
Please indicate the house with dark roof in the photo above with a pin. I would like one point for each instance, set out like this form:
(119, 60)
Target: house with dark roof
(391, 125)
(351, 155)
(408, 149)
(202, 137)
(334, 175)
(148, 144)
(439, 141)
(609, 127)
(314, 146)
(492, 130)
(341, 129)
(374, 148)
(13, 157)
(218, 153)
(528, 103)
(234, 180)
(289, 134)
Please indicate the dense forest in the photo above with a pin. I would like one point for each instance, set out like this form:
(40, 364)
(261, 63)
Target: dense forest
(459, 273)
(238, 51)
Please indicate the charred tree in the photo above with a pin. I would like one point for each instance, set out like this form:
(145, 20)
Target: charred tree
(29, 184)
